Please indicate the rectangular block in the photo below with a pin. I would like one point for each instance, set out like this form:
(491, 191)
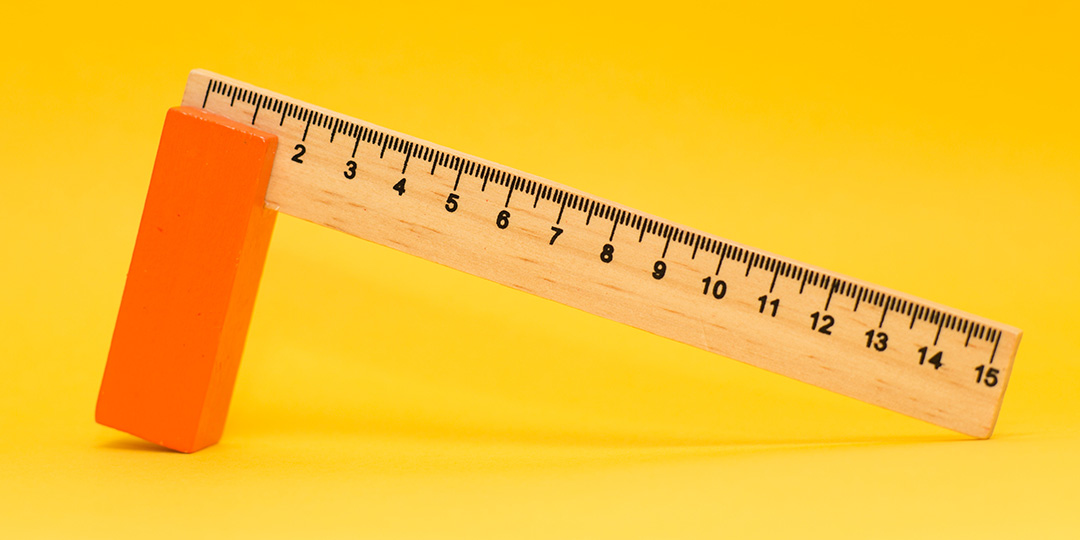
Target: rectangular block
(192, 282)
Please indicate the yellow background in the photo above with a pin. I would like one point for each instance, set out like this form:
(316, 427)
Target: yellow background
(932, 148)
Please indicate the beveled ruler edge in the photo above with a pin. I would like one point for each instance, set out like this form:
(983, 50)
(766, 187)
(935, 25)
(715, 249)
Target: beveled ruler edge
(293, 188)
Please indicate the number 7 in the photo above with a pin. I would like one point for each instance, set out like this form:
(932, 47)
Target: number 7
(558, 231)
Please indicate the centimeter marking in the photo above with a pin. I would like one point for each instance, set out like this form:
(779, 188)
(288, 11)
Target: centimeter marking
(315, 186)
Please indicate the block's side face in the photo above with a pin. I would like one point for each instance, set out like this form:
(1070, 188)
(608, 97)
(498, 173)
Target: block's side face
(193, 251)
(241, 305)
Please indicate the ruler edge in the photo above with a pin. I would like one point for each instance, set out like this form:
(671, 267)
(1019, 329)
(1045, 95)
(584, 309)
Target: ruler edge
(196, 75)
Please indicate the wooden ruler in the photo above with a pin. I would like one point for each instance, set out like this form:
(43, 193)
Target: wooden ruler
(862, 340)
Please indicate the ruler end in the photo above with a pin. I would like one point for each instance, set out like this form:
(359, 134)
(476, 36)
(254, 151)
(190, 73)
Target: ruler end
(199, 72)
(1009, 358)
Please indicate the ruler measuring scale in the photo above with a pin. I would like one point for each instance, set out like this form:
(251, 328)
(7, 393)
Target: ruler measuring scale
(877, 345)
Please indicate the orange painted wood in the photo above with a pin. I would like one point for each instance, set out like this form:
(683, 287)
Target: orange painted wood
(192, 282)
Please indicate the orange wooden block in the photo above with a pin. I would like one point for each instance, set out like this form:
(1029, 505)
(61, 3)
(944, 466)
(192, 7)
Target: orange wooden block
(192, 282)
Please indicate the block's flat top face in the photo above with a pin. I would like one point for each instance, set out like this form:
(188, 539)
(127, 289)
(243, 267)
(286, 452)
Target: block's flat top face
(200, 123)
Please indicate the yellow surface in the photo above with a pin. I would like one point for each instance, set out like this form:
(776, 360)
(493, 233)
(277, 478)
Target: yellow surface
(929, 148)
